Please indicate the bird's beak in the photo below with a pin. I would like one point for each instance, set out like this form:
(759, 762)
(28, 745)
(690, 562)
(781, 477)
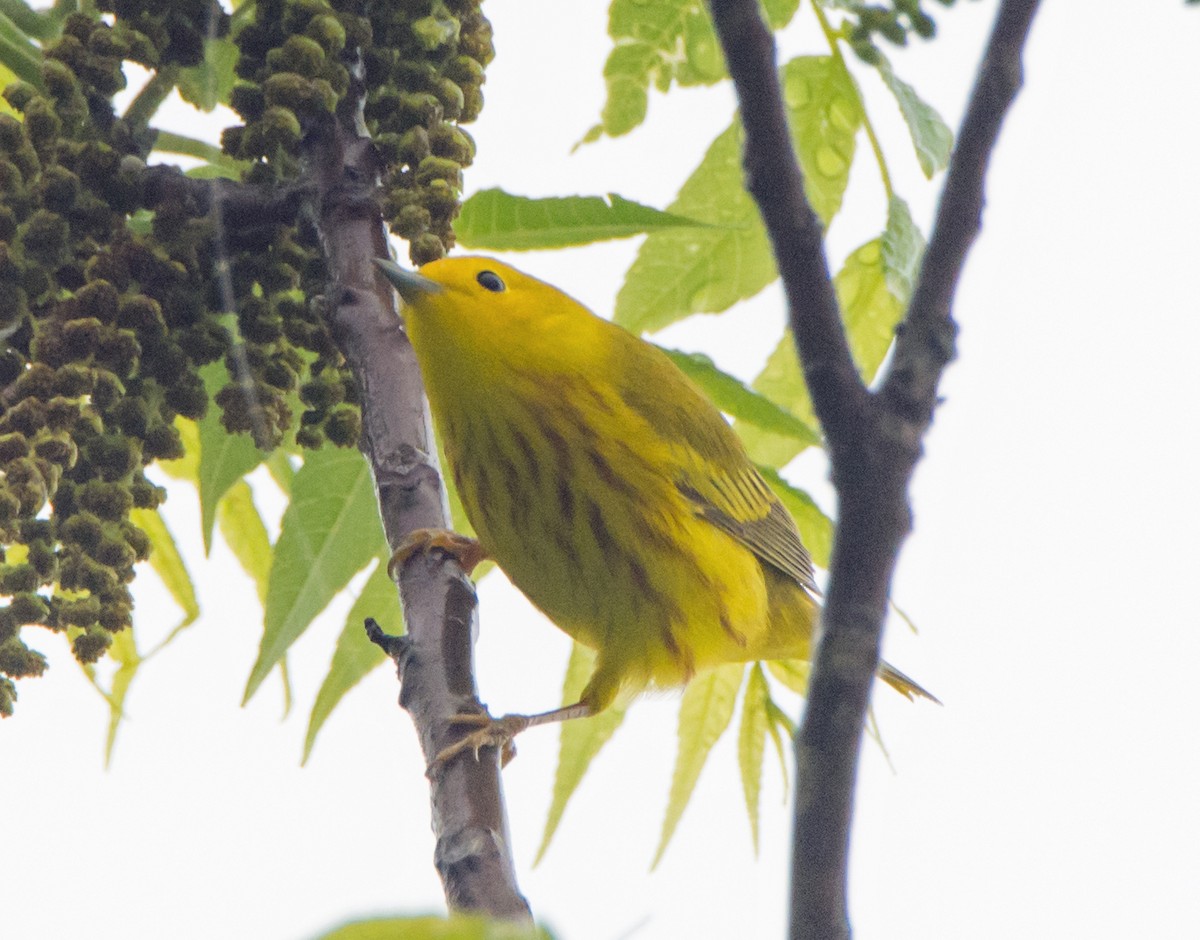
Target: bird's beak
(409, 284)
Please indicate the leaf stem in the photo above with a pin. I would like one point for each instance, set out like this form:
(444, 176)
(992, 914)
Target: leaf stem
(147, 101)
(831, 37)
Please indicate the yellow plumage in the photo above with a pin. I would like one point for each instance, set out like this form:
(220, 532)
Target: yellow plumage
(605, 484)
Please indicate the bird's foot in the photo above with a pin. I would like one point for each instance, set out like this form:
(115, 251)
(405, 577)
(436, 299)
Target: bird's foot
(466, 551)
(489, 732)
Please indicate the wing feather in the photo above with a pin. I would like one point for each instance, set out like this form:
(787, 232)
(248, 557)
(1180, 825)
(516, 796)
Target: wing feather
(710, 465)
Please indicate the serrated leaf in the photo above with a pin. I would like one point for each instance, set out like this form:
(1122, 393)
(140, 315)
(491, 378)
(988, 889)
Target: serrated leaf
(704, 714)
(497, 220)
(243, 530)
(657, 42)
(733, 397)
(793, 673)
(224, 458)
(752, 739)
(208, 84)
(825, 111)
(870, 314)
(167, 563)
(816, 528)
(330, 532)
(780, 12)
(124, 652)
(355, 655)
(679, 272)
(579, 741)
(931, 137)
(780, 725)
(456, 927)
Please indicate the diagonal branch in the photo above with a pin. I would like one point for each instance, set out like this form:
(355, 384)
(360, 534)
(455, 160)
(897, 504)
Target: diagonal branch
(926, 343)
(874, 439)
(774, 179)
(473, 854)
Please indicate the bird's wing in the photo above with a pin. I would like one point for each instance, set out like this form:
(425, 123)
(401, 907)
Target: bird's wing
(710, 465)
(743, 505)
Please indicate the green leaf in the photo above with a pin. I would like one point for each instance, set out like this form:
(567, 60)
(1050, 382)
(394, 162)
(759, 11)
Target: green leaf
(35, 24)
(224, 458)
(734, 398)
(456, 927)
(497, 220)
(931, 137)
(208, 84)
(355, 655)
(579, 741)
(167, 563)
(330, 532)
(825, 110)
(123, 652)
(782, 381)
(679, 272)
(793, 673)
(186, 467)
(170, 142)
(279, 465)
(871, 310)
(659, 42)
(704, 714)
(779, 727)
(780, 12)
(7, 77)
(903, 249)
(752, 739)
(243, 530)
(17, 54)
(816, 528)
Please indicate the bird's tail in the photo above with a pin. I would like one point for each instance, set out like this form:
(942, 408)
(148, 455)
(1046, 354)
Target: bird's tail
(903, 684)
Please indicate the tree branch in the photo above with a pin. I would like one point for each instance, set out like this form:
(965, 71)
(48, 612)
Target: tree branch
(774, 179)
(473, 854)
(926, 343)
(874, 439)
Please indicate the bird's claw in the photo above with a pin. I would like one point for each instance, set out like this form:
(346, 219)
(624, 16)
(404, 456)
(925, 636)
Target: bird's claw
(490, 732)
(466, 551)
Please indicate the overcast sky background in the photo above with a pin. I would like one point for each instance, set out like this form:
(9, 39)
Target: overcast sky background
(1052, 572)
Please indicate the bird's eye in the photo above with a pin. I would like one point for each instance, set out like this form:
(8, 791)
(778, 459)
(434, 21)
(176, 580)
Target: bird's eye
(490, 280)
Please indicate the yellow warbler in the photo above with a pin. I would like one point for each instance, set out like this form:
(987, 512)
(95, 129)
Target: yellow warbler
(605, 484)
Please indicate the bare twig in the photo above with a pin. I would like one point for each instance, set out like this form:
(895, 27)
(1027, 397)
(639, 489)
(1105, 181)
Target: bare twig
(473, 853)
(874, 439)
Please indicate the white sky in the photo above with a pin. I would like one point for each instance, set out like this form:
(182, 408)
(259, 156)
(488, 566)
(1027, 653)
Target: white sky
(1050, 572)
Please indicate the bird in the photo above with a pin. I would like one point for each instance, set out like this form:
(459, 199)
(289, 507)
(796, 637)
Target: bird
(609, 489)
